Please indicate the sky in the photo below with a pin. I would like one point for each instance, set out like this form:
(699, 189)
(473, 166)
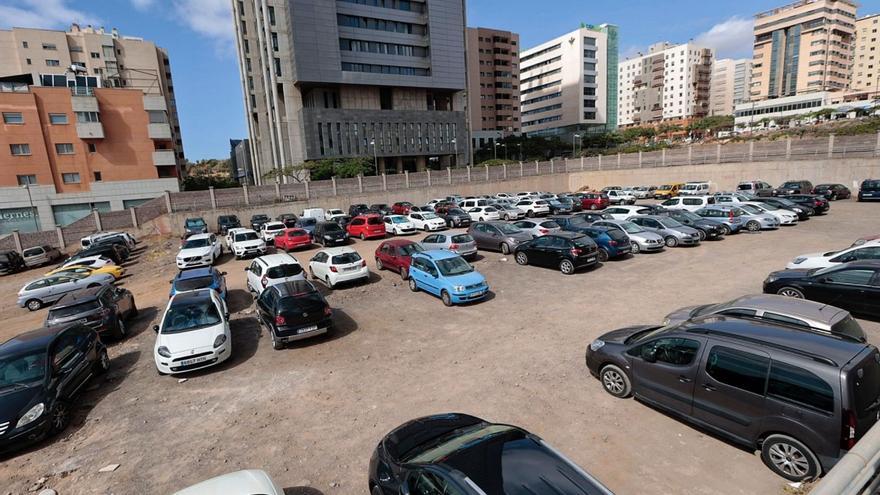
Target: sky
(200, 39)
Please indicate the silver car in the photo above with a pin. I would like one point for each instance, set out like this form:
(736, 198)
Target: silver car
(508, 211)
(463, 244)
(497, 236)
(642, 240)
(537, 227)
(47, 290)
(756, 219)
(674, 233)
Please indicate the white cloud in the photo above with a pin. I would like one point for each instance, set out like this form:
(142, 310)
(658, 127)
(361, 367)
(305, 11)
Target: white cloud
(43, 14)
(143, 5)
(209, 18)
(732, 38)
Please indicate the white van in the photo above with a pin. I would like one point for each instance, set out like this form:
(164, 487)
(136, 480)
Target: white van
(689, 203)
(317, 213)
(694, 189)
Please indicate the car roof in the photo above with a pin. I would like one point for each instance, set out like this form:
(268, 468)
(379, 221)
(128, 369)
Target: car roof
(295, 287)
(801, 308)
(33, 339)
(199, 236)
(567, 235)
(195, 273)
(192, 296)
(277, 259)
(247, 481)
(334, 251)
(437, 254)
(80, 296)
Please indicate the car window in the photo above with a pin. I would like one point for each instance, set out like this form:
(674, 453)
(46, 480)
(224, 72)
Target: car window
(256, 268)
(793, 384)
(268, 298)
(37, 285)
(431, 484)
(738, 312)
(432, 239)
(190, 315)
(851, 277)
(64, 348)
(692, 201)
(674, 351)
(739, 369)
(543, 242)
(345, 258)
(285, 270)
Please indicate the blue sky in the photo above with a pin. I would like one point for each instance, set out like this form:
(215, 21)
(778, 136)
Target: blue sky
(199, 37)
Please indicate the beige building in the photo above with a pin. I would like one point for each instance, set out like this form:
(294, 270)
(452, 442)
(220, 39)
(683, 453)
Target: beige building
(803, 47)
(866, 62)
(493, 85)
(730, 85)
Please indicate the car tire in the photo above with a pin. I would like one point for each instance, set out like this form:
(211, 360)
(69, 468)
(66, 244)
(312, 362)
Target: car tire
(120, 331)
(636, 249)
(134, 310)
(725, 230)
(792, 292)
(753, 226)
(379, 265)
(594, 207)
(789, 458)
(615, 381)
(671, 241)
(702, 235)
(59, 417)
(505, 249)
(375, 490)
(412, 285)
(522, 258)
(103, 363)
(566, 267)
(446, 298)
(34, 304)
(328, 282)
(277, 345)
(311, 276)
(602, 255)
(404, 274)
(506, 217)
(363, 237)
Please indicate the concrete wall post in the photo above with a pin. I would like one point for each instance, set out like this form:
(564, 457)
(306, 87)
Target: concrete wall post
(97, 215)
(718, 154)
(640, 158)
(831, 146)
(487, 173)
(134, 217)
(877, 146)
(663, 157)
(788, 149)
(600, 162)
(551, 166)
(168, 201)
(504, 171)
(618, 160)
(448, 175)
(582, 162)
(308, 190)
(751, 151)
(278, 191)
(406, 176)
(360, 183)
(384, 182)
(213, 198)
(16, 238)
(247, 198)
(537, 168)
(520, 169)
(333, 182)
(59, 233)
(690, 155)
(469, 173)
(428, 171)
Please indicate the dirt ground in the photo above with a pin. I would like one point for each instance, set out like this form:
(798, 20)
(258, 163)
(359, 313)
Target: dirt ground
(311, 415)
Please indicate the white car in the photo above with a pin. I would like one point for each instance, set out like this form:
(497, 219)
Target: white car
(785, 217)
(689, 203)
(333, 213)
(538, 228)
(335, 265)
(199, 250)
(622, 212)
(272, 269)
(484, 213)
(398, 225)
(695, 189)
(237, 483)
(434, 202)
(230, 234)
(619, 197)
(726, 199)
(246, 242)
(193, 333)
(640, 192)
(867, 251)
(270, 229)
(532, 207)
(91, 261)
(427, 221)
(504, 196)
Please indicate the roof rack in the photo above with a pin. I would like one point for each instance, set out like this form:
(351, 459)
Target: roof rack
(815, 357)
(808, 329)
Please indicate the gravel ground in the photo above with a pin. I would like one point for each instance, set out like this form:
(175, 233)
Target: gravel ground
(310, 415)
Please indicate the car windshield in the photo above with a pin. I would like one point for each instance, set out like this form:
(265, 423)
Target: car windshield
(197, 243)
(672, 223)
(823, 187)
(374, 221)
(769, 207)
(689, 187)
(409, 249)
(399, 219)
(630, 228)
(272, 227)
(646, 334)
(190, 315)
(194, 283)
(332, 227)
(307, 222)
(751, 209)
(688, 215)
(665, 187)
(508, 229)
(23, 368)
(195, 222)
(462, 239)
(345, 258)
(76, 309)
(259, 218)
(247, 236)
(744, 187)
(451, 267)
(283, 271)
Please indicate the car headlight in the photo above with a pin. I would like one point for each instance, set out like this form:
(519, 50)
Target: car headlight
(163, 351)
(220, 340)
(458, 288)
(797, 210)
(666, 321)
(799, 260)
(32, 415)
(597, 344)
(327, 237)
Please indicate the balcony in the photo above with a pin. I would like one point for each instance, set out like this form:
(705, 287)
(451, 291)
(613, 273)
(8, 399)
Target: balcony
(155, 102)
(89, 130)
(84, 103)
(164, 158)
(160, 132)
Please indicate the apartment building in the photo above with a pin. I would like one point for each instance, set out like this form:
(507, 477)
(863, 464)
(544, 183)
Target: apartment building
(803, 47)
(866, 61)
(240, 168)
(493, 85)
(568, 85)
(730, 85)
(346, 78)
(670, 83)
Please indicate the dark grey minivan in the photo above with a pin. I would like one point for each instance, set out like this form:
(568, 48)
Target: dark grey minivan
(800, 397)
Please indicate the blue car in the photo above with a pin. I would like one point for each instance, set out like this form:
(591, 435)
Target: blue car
(447, 275)
(308, 224)
(199, 278)
(613, 243)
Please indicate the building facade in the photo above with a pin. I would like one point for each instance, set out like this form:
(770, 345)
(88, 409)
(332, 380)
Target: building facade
(240, 168)
(866, 61)
(348, 78)
(730, 85)
(803, 47)
(493, 85)
(668, 84)
(568, 85)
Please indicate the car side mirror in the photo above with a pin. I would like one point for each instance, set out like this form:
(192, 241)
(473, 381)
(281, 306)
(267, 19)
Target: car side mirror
(247, 268)
(156, 328)
(223, 273)
(825, 280)
(649, 354)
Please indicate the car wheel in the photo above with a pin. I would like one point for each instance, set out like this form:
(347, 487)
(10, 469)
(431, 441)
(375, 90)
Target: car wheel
(602, 255)
(615, 381)
(404, 273)
(530, 214)
(505, 249)
(671, 241)
(311, 275)
(702, 235)
(59, 417)
(277, 345)
(446, 298)
(412, 285)
(376, 490)
(522, 258)
(34, 304)
(753, 226)
(725, 230)
(103, 364)
(594, 207)
(363, 237)
(120, 328)
(566, 267)
(379, 265)
(791, 292)
(636, 249)
(328, 282)
(789, 458)
(506, 217)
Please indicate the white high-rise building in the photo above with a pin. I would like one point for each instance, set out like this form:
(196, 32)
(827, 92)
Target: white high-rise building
(730, 85)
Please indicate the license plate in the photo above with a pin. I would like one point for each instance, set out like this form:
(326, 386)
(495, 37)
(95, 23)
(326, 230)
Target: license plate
(188, 362)
(350, 269)
(307, 329)
(591, 259)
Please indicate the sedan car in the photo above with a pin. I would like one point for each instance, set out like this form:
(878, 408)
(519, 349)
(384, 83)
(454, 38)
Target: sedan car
(46, 290)
(448, 276)
(793, 187)
(497, 236)
(832, 192)
(333, 266)
(293, 311)
(755, 219)
(867, 251)
(674, 233)
(398, 225)
(537, 227)
(457, 454)
(193, 333)
(803, 212)
(785, 217)
(819, 204)
(462, 244)
(565, 251)
(427, 221)
(199, 250)
(115, 270)
(641, 240)
(104, 309)
(199, 278)
(90, 261)
(396, 255)
(853, 286)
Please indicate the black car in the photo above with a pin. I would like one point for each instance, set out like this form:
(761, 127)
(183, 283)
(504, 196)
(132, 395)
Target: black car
(117, 240)
(803, 212)
(103, 309)
(193, 226)
(832, 192)
(358, 209)
(573, 203)
(707, 229)
(565, 251)
(381, 209)
(11, 262)
(342, 221)
(257, 221)
(819, 204)
(226, 222)
(285, 217)
(869, 190)
(558, 208)
(292, 311)
(853, 286)
(593, 216)
(41, 375)
(112, 251)
(464, 455)
(329, 234)
(794, 187)
(455, 217)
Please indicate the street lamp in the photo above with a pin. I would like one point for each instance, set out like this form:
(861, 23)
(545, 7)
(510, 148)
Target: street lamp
(574, 144)
(27, 186)
(455, 143)
(505, 150)
(495, 149)
(519, 145)
(375, 157)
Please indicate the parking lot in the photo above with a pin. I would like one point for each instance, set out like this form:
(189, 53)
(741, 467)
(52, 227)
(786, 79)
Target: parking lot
(310, 415)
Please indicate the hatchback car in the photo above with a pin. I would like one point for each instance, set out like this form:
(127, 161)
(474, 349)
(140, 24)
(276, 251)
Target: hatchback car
(457, 454)
(104, 309)
(785, 217)
(307, 223)
(565, 251)
(674, 233)
(396, 255)
(448, 276)
(193, 333)
(745, 379)
(755, 188)
(358, 209)
(333, 266)
(455, 217)
(292, 238)
(869, 190)
(729, 220)
(462, 244)
(330, 234)
(612, 242)
(243, 482)
(497, 236)
(537, 227)
(226, 222)
(42, 373)
(272, 269)
(199, 278)
(594, 200)
(867, 251)
(47, 290)
(293, 311)
(40, 255)
(368, 226)
(381, 209)
(398, 225)
(641, 240)
(832, 192)
(484, 213)
(401, 208)
(754, 219)
(853, 286)
(707, 229)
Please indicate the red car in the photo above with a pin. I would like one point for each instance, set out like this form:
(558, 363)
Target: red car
(594, 201)
(396, 255)
(366, 226)
(292, 239)
(401, 208)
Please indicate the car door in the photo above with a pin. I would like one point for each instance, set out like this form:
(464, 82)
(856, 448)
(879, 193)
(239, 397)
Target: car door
(121, 300)
(266, 307)
(254, 272)
(729, 390)
(430, 276)
(423, 482)
(68, 363)
(478, 232)
(848, 288)
(60, 285)
(318, 264)
(665, 369)
(540, 251)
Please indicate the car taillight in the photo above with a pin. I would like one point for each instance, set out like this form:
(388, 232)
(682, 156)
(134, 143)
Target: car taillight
(453, 247)
(279, 320)
(848, 432)
(264, 281)
(730, 215)
(363, 263)
(576, 252)
(328, 311)
(544, 231)
(614, 243)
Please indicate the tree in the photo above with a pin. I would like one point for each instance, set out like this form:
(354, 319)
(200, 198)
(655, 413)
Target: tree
(713, 123)
(342, 168)
(296, 172)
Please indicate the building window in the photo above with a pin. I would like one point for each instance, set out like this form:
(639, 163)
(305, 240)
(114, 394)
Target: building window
(52, 63)
(271, 15)
(70, 178)
(64, 148)
(95, 55)
(30, 180)
(98, 177)
(247, 46)
(57, 118)
(93, 148)
(275, 42)
(87, 117)
(13, 118)
(49, 46)
(108, 51)
(20, 149)
(28, 61)
(24, 44)
(277, 67)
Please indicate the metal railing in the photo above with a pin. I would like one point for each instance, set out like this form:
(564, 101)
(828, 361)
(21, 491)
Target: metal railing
(856, 473)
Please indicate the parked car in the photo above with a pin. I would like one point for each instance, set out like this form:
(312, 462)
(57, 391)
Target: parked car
(423, 209)
(484, 213)
(612, 242)
(757, 219)
(689, 203)
(819, 204)
(258, 220)
(381, 209)
(358, 209)
(427, 221)
(447, 275)
(853, 286)
(111, 251)
(793, 187)
(508, 212)
(308, 224)
(330, 234)
(642, 192)
(732, 198)
(867, 251)
(199, 278)
(272, 269)
(90, 261)
(532, 207)
(641, 240)
(565, 251)
(462, 244)
(456, 217)
(396, 255)
(587, 216)
(594, 200)
(398, 225)
(243, 482)
(401, 208)
(46, 290)
(333, 266)
(537, 227)
(714, 371)
(667, 191)
(573, 204)
(869, 190)
(832, 192)
(115, 270)
(558, 207)
(620, 197)
(342, 221)
(707, 229)
(11, 262)
(333, 213)
(293, 311)
(286, 217)
(290, 239)
(785, 217)
(104, 309)
(803, 212)
(464, 455)
(866, 239)
(192, 226)
(369, 226)
(89, 239)
(199, 250)
(270, 229)
(497, 236)
(755, 188)
(40, 255)
(226, 222)
(317, 213)
(622, 212)
(42, 373)
(246, 242)
(729, 220)
(701, 188)
(193, 333)
(674, 233)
